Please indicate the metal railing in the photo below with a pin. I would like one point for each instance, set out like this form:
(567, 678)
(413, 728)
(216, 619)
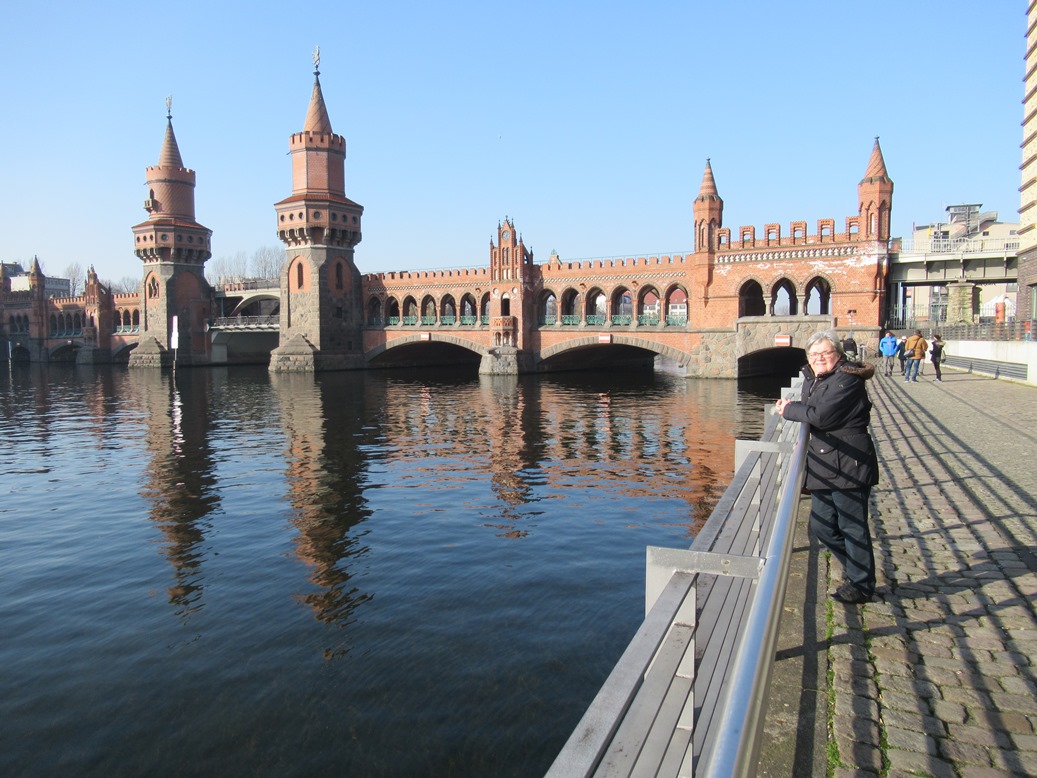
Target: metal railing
(671, 707)
(973, 245)
(246, 322)
(1009, 330)
(737, 747)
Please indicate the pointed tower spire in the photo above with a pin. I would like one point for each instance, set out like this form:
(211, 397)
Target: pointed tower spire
(875, 198)
(170, 154)
(709, 185)
(317, 120)
(876, 166)
(709, 211)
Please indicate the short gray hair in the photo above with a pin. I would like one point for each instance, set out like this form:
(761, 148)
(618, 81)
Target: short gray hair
(831, 337)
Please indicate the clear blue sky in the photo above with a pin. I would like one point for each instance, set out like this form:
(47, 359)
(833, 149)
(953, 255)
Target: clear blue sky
(587, 123)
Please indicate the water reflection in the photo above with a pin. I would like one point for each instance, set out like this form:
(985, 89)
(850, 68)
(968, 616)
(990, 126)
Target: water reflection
(180, 485)
(324, 475)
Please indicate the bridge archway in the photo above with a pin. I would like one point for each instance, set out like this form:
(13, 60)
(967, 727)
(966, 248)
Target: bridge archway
(621, 350)
(768, 345)
(775, 361)
(121, 354)
(423, 349)
(63, 352)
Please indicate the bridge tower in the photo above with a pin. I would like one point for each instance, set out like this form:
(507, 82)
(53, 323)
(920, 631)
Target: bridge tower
(875, 201)
(708, 211)
(321, 296)
(875, 198)
(176, 300)
(509, 302)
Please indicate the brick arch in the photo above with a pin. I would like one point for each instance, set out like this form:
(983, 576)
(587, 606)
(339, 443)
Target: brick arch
(797, 285)
(591, 297)
(676, 286)
(540, 308)
(374, 310)
(416, 337)
(795, 296)
(808, 285)
(662, 349)
(744, 300)
(429, 302)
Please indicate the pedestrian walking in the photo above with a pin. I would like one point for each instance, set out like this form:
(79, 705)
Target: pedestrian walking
(936, 355)
(841, 462)
(888, 350)
(914, 350)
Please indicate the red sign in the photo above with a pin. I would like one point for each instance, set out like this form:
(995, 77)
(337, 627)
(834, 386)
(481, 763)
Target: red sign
(782, 340)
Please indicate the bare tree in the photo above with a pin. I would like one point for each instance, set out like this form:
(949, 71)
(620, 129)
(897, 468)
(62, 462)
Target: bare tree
(267, 262)
(125, 285)
(225, 269)
(74, 274)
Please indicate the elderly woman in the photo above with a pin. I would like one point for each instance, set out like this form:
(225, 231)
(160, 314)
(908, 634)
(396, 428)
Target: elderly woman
(841, 462)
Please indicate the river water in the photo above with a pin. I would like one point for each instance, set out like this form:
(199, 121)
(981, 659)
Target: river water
(227, 572)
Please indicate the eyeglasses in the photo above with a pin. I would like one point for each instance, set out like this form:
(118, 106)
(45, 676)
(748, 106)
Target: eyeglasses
(813, 356)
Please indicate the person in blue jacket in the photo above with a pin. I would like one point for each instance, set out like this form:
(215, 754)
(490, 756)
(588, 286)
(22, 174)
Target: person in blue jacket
(888, 349)
(842, 466)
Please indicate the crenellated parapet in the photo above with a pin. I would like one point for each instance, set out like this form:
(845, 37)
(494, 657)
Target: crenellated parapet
(771, 236)
(556, 267)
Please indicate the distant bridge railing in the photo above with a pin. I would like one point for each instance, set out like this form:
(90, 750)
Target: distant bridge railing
(247, 285)
(688, 696)
(975, 245)
(266, 323)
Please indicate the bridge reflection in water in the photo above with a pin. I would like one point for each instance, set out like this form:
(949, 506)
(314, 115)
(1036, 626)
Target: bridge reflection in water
(253, 572)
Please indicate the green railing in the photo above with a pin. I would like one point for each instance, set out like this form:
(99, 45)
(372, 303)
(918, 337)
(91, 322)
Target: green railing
(428, 321)
(622, 320)
(469, 320)
(410, 321)
(570, 321)
(484, 320)
(596, 319)
(447, 320)
(676, 321)
(393, 320)
(647, 321)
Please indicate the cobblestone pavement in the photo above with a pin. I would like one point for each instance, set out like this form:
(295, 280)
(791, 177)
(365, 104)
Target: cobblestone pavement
(938, 676)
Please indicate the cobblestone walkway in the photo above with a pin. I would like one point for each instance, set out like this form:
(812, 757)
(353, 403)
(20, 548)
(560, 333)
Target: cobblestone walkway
(939, 676)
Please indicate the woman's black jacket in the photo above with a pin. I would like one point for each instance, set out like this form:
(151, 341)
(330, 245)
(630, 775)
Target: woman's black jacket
(840, 454)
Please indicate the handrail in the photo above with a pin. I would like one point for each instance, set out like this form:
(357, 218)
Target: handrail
(736, 750)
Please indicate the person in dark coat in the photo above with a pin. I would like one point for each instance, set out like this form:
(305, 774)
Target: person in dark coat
(901, 354)
(841, 462)
(936, 355)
